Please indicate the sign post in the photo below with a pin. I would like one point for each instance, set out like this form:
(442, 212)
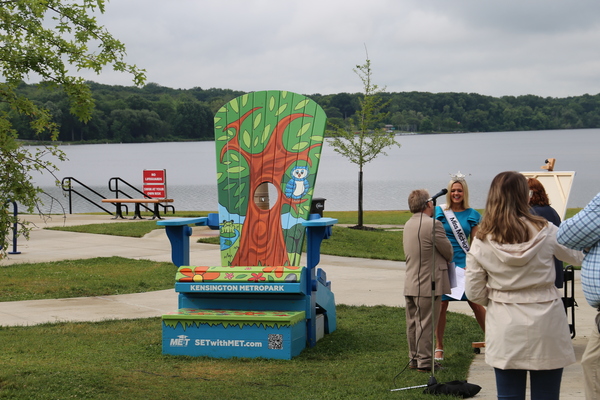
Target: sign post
(155, 183)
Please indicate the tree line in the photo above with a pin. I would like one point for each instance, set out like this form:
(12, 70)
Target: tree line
(155, 113)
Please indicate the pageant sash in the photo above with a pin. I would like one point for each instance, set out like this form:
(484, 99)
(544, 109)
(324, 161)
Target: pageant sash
(457, 228)
(458, 288)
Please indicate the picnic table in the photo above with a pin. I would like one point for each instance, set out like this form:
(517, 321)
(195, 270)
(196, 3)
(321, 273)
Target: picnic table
(136, 214)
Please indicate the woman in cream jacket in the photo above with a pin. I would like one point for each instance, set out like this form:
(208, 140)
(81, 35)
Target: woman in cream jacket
(510, 270)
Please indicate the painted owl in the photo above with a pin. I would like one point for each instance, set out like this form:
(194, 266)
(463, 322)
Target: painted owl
(298, 186)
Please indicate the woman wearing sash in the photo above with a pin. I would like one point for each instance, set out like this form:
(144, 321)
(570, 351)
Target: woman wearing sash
(460, 222)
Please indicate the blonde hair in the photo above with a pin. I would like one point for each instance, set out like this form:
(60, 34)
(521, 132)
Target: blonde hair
(507, 210)
(465, 187)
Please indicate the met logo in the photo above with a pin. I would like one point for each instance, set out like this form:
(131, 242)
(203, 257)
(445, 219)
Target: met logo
(180, 341)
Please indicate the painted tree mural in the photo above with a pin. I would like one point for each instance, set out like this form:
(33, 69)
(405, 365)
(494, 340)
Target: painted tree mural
(272, 138)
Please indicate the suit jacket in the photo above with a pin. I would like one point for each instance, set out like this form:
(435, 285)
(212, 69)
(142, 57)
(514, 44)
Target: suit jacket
(418, 248)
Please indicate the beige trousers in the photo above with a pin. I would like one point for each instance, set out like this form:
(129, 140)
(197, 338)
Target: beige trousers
(419, 329)
(590, 361)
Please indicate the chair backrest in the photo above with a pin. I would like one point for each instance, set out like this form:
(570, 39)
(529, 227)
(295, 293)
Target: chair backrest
(268, 147)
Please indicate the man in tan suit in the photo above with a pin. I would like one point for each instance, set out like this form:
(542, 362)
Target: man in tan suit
(418, 247)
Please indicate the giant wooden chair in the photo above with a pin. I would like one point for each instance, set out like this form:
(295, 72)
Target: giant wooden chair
(260, 302)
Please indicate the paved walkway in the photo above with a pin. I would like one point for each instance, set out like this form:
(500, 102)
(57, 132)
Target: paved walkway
(384, 286)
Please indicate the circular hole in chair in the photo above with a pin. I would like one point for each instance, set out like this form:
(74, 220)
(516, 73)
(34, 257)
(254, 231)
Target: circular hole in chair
(265, 196)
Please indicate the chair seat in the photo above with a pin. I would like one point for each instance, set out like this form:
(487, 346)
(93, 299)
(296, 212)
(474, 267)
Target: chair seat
(247, 280)
(189, 316)
(250, 274)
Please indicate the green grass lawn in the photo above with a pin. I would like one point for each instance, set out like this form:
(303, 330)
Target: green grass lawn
(345, 242)
(385, 244)
(370, 217)
(81, 278)
(378, 244)
(129, 228)
(363, 359)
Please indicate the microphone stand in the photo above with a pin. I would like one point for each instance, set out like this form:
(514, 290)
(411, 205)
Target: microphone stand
(432, 380)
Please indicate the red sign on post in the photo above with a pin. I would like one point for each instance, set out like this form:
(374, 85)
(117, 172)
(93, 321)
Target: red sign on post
(155, 183)
(156, 192)
(155, 176)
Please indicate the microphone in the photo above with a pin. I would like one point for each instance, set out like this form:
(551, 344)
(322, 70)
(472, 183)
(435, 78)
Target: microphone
(435, 196)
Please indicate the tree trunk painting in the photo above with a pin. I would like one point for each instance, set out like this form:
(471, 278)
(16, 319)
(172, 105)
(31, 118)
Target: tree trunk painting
(275, 138)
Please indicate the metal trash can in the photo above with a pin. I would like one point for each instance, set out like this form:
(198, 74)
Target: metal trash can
(317, 206)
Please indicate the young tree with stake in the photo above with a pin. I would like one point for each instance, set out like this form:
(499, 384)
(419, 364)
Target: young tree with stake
(362, 140)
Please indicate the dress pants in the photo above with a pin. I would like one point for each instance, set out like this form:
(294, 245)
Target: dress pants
(419, 329)
(590, 362)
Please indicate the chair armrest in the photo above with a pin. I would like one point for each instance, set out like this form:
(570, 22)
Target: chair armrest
(178, 232)
(317, 229)
(198, 221)
(320, 222)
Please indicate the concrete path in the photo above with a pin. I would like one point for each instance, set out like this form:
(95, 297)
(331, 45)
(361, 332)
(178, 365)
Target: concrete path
(384, 286)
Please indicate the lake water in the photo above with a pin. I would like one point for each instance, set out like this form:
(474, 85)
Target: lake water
(423, 161)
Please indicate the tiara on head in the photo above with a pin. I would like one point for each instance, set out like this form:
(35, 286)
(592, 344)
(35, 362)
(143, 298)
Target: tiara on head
(458, 177)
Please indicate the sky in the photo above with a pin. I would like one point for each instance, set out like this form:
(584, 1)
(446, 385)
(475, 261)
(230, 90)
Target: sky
(548, 48)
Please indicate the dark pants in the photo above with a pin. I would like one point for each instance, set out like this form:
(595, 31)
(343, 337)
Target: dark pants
(545, 385)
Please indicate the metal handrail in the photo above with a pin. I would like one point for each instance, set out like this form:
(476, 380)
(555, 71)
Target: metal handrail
(14, 229)
(116, 189)
(67, 186)
(113, 186)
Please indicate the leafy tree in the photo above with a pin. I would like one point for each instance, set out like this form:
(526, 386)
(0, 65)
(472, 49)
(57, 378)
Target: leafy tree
(130, 126)
(46, 39)
(407, 111)
(137, 102)
(194, 120)
(96, 129)
(345, 103)
(426, 125)
(362, 140)
(165, 107)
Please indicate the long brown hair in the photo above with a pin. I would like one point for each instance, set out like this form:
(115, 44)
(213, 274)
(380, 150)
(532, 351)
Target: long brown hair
(507, 210)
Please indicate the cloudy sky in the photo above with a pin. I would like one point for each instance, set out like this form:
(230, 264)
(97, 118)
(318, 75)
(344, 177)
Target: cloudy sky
(491, 47)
